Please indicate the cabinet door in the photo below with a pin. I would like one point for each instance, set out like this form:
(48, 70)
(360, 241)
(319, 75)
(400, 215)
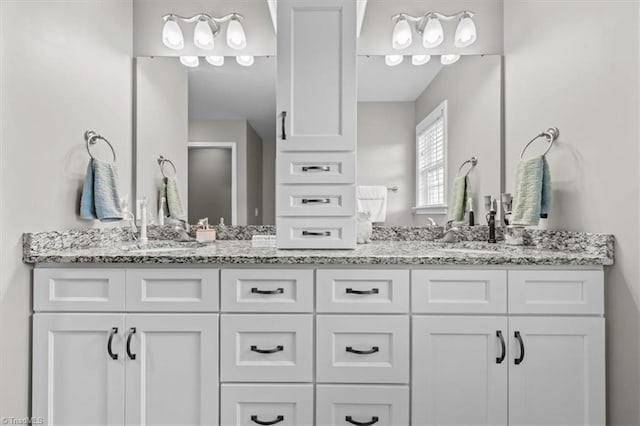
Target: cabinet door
(76, 381)
(556, 371)
(172, 369)
(459, 373)
(316, 75)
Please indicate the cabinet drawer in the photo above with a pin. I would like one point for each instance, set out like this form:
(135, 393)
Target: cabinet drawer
(316, 200)
(284, 405)
(367, 405)
(459, 291)
(78, 290)
(362, 349)
(172, 290)
(316, 232)
(362, 291)
(556, 292)
(266, 348)
(317, 168)
(267, 290)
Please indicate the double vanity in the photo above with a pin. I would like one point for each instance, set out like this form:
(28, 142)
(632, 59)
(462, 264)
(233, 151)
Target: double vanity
(396, 332)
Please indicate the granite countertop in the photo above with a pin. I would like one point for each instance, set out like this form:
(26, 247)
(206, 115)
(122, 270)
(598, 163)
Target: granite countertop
(374, 253)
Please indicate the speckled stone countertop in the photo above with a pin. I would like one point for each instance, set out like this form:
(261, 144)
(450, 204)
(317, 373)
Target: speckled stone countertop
(113, 246)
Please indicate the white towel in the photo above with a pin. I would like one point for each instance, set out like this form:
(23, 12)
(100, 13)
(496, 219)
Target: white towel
(373, 200)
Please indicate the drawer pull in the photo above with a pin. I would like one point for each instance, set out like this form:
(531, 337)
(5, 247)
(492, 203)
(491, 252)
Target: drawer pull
(316, 234)
(256, 420)
(373, 350)
(114, 331)
(132, 331)
(316, 201)
(373, 421)
(503, 354)
(372, 291)
(278, 348)
(518, 337)
(278, 290)
(316, 168)
(284, 130)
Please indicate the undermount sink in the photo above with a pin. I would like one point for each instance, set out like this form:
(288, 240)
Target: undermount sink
(160, 246)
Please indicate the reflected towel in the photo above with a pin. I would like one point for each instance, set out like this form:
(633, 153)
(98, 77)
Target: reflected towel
(100, 198)
(373, 200)
(459, 198)
(533, 191)
(172, 196)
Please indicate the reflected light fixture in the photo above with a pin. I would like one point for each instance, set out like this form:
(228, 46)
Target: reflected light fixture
(433, 33)
(172, 34)
(466, 33)
(217, 61)
(244, 60)
(190, 61)
(429, 27)
(393, 60)
(420, 59)
(206, 29)
(402, 36)
(449, 59)
(236, 38)
(203, 35)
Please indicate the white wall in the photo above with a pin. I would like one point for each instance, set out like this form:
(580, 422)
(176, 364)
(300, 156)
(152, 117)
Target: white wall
(574, 64)
(269, 181)
(65, 67)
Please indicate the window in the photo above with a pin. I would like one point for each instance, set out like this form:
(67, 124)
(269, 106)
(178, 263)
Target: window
(431, 162)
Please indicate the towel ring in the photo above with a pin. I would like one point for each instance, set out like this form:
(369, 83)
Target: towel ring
(161, 162)
(92, 138)
(473, 161)
(551, 134)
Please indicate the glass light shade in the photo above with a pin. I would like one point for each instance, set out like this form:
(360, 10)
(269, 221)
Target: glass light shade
(449, 59)
(420, 59)
(433, 34)
(393, 60)
(202, 35)
(465, 32)
(190, 61)
(245, 61)
(402, 36)
(236, 39)
(217, 61)
(172, 34)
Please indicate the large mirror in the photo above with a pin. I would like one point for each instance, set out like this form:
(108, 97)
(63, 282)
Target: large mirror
(417, 125)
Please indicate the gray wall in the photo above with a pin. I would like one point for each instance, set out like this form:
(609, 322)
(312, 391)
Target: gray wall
(210, 181)
(65, 67)
(575, 65)
(254, 177)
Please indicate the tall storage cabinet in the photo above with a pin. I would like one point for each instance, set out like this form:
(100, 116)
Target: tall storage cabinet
(316, 122)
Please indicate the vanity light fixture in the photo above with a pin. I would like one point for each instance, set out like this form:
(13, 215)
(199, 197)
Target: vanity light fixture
(244, 60)
(206, 29)
(449, 59)
(393, 60)
(420, 59)
(429, 27)
(217, 61)
(190, 61)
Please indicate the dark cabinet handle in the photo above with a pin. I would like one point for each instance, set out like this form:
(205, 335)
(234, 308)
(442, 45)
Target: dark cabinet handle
(316, 168)
(114, 331)
(132, 331)
(316, 201)
(276, 291)
(278, 348)
(284, 130)
(373, 350)
(316, 234)
(519, 360)
(503, 345)
(373, 421)
(256, 420)
(372, 291)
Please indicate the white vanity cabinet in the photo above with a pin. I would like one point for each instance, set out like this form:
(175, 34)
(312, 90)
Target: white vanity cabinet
(319, 345)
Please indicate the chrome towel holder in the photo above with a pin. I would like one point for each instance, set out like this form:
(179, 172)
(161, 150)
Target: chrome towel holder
(92, 138)
(162, 161)
(473, 161)
(551, 134)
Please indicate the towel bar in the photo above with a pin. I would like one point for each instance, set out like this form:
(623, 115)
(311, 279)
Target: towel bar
(92, 138)
(473, 161)
(551, 134)
(161, 162)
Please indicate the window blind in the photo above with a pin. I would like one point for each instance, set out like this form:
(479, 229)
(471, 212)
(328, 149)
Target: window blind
(431, 164)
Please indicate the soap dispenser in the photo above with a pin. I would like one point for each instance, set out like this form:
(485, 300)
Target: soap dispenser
(491, 221)
(204, 233)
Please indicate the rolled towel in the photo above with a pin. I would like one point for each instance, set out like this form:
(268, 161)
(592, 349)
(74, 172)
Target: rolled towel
(533, 191)
(174, 201)
(459, 198)
(372, 200)
(100, 198)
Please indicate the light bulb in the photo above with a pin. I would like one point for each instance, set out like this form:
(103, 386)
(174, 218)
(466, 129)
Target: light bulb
(402, 36)
(433, 34)
(449, 59)
(217, 61)
(202, 35)
(420, 59)
(190, 61)
(465, 32)
(393, 60)
(172, 34)
(245, 61)
(236, 39)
